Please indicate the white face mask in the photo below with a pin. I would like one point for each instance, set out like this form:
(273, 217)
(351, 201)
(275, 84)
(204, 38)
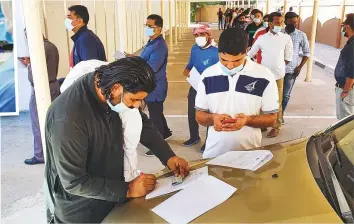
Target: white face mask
(68, 24)
(276, 29)
(201, 41)
(257, 20)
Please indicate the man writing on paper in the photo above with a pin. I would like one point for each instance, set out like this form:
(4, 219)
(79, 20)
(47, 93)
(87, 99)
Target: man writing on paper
(231, 95)
(84, 137)
(203, 55)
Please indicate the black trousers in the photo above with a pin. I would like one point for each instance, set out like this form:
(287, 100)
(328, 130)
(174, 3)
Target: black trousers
(193, 125)
(158, 118)
(220, 25)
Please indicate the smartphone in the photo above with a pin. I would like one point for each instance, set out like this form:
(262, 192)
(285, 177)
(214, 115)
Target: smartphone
(231, 120)
(21, 58)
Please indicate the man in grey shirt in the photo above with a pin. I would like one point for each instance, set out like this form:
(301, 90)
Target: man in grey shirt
(52, 59)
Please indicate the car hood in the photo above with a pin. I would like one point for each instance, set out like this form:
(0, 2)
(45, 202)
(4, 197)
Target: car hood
(291, 195)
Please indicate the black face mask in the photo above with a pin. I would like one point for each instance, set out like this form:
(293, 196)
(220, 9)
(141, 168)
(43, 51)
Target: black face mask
(290, 28)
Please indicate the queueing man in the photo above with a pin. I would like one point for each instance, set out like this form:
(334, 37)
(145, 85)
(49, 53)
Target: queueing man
(84, 176)
(220, 19)
(86, 44)
(203, 55)
(155, 54)
(255, 25)
(52, 60)
(344, 72)
(261, 31)
(277, 51)
(231, 95)
(300, 49)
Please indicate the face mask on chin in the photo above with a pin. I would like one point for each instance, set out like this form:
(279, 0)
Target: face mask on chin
(120, 107)
(233, 71)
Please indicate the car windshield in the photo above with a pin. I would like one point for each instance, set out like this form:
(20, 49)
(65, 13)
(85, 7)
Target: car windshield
(331, 158)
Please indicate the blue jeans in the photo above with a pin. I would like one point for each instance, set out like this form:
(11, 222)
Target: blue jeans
(289, 81)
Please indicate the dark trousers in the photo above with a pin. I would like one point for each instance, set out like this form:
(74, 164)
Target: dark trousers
(158, 118)
(193, 125)
(289, 81)
(220, 24)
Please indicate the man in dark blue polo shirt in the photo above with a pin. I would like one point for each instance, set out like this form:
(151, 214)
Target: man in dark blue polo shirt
(86, 44)
(155, 54)
(344, 72)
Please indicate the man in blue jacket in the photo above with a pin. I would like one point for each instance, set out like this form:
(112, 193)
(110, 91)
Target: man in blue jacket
(86, 44)
(203, 55)
(155, 54)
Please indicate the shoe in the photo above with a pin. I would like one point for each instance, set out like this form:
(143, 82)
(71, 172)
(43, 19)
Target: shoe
(149, 154)
(273, 133)
(191, 142)
(33, 161)
(264, 129)
(168, 136)
(202, 149)
(283, 121)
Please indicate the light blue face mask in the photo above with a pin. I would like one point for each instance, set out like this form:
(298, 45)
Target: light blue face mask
(276, 29)
(265, 24)
(120, 107)
(149, 31)
(233, 71)
(256, 20)
(343, 32)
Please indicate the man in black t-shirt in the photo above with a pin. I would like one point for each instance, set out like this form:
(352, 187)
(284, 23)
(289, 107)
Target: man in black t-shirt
(220, 17)
(255, 25)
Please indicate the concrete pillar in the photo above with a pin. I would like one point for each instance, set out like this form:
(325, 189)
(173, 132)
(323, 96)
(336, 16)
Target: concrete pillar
(122, 24)
(249, 3)
(188, 14)
(38, 62)
(238, 3)
(256, 4)
(176, 22)
(339, 34)
(268, 6)
(148, 7)
(162, 11)
(312, 40)
(180, 19)
(285, 6)
(170, 26)
(243, 3)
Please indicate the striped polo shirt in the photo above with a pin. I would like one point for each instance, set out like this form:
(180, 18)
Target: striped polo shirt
(249, 91)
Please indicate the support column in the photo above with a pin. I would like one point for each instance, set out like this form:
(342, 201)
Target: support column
(183, 17)
(339, 34)
(249, 3)
(162, 11)
(122, 25)
(170, 25)
(285, 6)
(256, 4)
(312, 40)
(243, 3)
(38, 62)
(180, 20)
(268, 6)
(176, 22)
(148, 7)
(238, 4)
(188, 13)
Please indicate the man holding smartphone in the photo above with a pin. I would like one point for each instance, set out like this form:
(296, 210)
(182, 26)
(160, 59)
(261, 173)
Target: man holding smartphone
(232, 94)
(52, 60)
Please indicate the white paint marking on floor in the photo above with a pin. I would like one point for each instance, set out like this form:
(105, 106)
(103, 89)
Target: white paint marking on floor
(288, 117)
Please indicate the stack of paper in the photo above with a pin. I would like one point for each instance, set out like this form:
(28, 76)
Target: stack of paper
(247, 160)
(195, 200)
(194, 78)
(164, 186)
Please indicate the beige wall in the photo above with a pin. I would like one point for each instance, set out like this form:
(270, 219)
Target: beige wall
(104, 22)
(208, 13)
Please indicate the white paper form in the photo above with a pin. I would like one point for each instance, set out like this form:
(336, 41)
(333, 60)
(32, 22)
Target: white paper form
(195, 200)
(194, 78)
(247, 160)
(164, 186)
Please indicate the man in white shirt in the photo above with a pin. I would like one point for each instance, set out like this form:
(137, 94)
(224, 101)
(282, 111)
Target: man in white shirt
(231, 95)
(277, 51)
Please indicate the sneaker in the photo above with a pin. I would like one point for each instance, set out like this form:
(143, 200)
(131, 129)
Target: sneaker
(283, 121)
(191, 142)
(33, 161)
(149, 154)
(168, 136)
(202, 149)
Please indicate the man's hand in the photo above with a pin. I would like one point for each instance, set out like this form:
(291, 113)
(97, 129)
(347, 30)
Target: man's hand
(25, 61)
(141, 186)
(128, 55)
(343, 94)
(218, 119)
(186, 72)
(179, 166)
(241, 121)
(297, 71)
